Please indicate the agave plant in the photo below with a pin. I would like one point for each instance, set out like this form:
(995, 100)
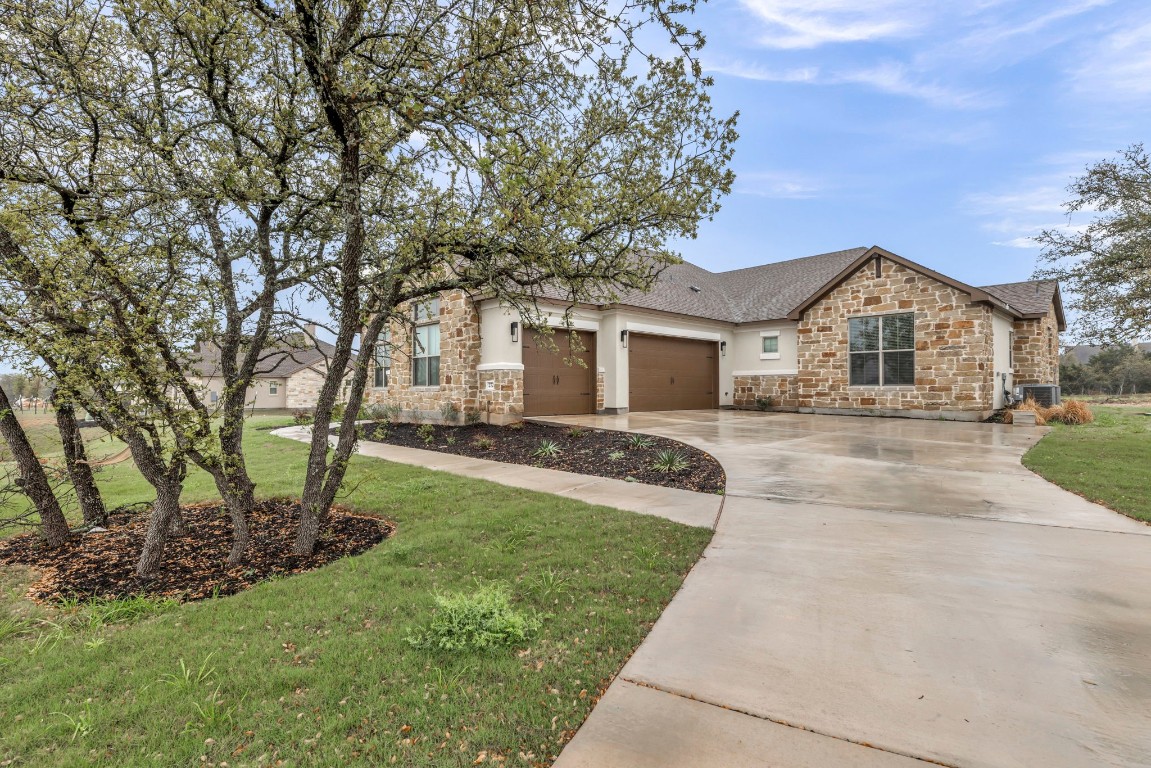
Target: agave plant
(546, 449)
(669, 461)
(636, 442)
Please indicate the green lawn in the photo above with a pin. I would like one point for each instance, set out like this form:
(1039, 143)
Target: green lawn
(1107, 461)
(316, 669)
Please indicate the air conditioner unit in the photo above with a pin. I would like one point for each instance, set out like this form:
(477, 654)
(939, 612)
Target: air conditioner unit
(1046, 395)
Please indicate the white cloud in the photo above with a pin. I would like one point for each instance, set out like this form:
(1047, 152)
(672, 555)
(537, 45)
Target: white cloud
(1119, 65)
(1017, 242)
(752, 71)
(811, 23)
(895, 78)
(777, 185)
(995, 31)
(888, 77)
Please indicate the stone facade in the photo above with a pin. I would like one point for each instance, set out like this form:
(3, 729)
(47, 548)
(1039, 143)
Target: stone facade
(1036, 352)
(459, 358)
(780, 388)
(953, 346)
(504, 402)
(303, 389)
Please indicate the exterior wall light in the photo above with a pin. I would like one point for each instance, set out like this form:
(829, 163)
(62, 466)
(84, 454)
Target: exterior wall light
(623, 339)
(515, 331)
(723, 349)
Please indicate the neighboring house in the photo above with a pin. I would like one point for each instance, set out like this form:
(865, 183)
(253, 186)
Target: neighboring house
(855, 331)
(289, 375)
(1082, 353)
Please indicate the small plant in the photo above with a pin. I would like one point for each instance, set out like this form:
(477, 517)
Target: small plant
(515, 538)
(450, 439)
(616, 455)
(449, 412)
(550, 585)
(338, 411)
(515, 425)
(484, 443)
(765, 403)
(636, 442)
(575, 433)
(427, 433)
(13, 626)
(392, 412)
(547, 449)
(648, 556)
(669, 461)
(301, 417)
(473, 417)
(380, 432)
(81, 723)
(190, 678)
(483, 620)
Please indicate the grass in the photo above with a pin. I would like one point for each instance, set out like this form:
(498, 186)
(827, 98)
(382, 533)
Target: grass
(1105, 461)
(45, 438)
(317, 670)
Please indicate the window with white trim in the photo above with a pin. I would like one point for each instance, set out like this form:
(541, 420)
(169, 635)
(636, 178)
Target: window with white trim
(881, 351)
(426, 345)
(383, 363)
(769, 346)
(273, 387)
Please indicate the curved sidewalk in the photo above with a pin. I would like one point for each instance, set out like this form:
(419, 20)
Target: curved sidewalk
(687, 507)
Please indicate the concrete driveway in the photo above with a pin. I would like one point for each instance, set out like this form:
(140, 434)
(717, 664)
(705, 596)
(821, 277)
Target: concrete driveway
(886, 593)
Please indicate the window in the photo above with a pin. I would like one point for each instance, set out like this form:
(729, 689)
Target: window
(273, 387)
(426, 345)
(770, 345)
(214, 396)
(881, 351)
(383, 360)
(1011, 350)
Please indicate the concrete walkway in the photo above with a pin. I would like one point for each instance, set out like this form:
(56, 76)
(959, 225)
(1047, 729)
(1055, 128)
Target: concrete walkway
(686, 507)
(887, 593)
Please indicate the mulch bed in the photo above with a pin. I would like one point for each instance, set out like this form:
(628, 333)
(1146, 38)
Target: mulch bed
(598, 452)
(103, 565)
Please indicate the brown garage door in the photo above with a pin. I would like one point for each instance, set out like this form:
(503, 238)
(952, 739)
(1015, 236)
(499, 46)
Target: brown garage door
(551, 387)
(668, 374)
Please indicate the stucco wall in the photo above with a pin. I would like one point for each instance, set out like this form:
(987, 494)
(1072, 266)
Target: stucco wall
(1037, 350)
(953, 346)
(257, 396)
(1002, 327)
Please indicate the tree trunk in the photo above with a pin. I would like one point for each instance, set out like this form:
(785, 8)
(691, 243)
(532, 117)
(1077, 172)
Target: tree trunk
(165, 512)
(33, 480)
(91, 503)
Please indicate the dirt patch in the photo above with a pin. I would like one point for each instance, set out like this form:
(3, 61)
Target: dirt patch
(104, 564)
(597, 452)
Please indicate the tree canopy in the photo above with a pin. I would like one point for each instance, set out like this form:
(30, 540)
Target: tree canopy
(1106, 264)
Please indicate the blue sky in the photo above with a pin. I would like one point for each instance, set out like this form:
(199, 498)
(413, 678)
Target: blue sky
(946, 132)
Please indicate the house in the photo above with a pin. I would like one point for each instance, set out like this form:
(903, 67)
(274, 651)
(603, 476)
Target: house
(859, 331)
(1083, 353)
(289, 374)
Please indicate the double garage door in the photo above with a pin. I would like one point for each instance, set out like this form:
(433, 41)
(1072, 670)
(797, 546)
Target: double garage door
(665, 374)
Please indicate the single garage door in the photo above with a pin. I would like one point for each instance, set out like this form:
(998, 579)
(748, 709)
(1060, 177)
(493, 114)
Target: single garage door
(551, 387)
(670, 374)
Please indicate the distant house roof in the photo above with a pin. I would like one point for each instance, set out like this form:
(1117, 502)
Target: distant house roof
(1084, 352)
(279, 360)
(785, 289)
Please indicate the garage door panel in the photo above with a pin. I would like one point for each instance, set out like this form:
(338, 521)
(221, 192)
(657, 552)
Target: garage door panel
(551, 386)
(668, 374)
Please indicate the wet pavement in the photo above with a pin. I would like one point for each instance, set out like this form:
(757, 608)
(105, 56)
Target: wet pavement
(887, 592)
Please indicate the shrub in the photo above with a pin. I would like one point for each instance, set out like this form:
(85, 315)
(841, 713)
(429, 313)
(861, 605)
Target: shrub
(338, 411)
(373, 412)
(615, 455)
(546, 449)
(670, 460)
(576, 432)
(481, 621)
(1077, 412)
(484, 443)
(450, 439)
(449, 412)
(392, 412)
(473, 417)
(301, 417)
(763, 403)
(427, 433)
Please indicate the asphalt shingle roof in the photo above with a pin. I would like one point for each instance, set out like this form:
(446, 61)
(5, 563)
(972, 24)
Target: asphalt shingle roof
(1031, 297)
(279, 360)
(766, 292)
